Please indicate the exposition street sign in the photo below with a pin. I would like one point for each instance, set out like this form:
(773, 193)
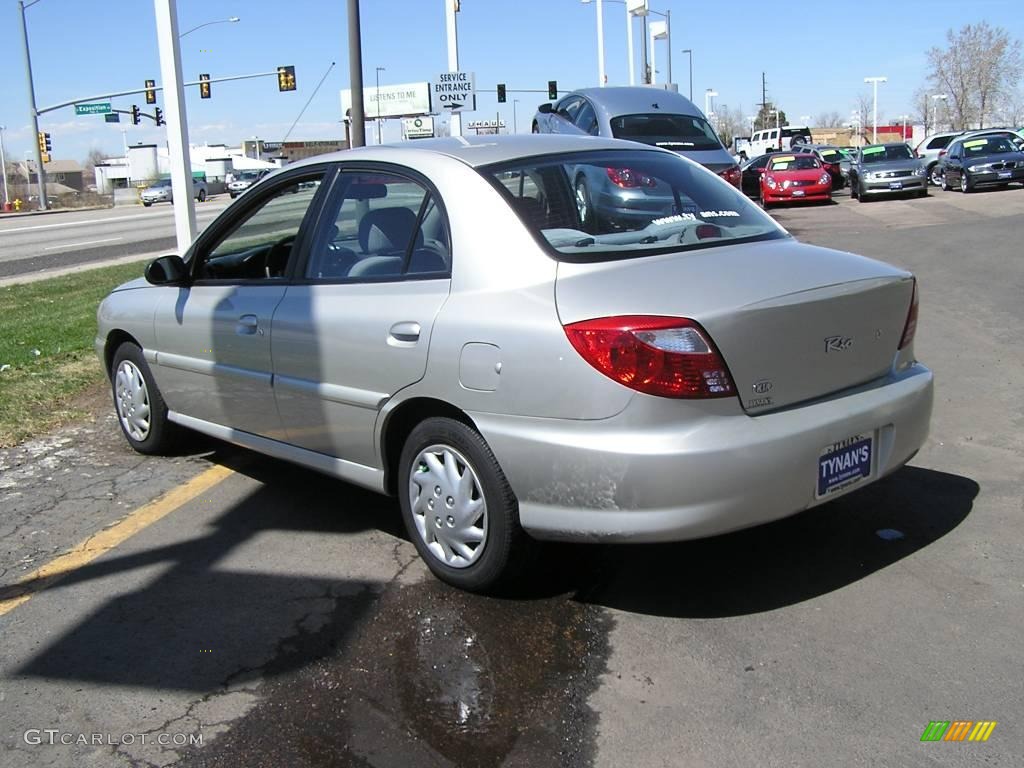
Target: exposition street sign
(99, 108)
(455, 91)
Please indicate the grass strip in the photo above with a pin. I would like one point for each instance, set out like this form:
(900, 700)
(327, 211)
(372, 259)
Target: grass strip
(47, 329)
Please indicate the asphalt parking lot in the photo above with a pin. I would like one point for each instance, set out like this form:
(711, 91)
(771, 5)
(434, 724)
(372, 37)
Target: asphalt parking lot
(284, 618)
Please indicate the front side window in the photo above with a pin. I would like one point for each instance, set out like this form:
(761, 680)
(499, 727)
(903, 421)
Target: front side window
(602, 205)
(384, 226)
(676, 132)
(259, 245)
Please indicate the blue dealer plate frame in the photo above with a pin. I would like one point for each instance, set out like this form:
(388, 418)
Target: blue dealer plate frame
(844, 464)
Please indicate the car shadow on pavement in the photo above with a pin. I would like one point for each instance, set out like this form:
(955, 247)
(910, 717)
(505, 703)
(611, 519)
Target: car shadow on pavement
(215, 612)
(770, 566)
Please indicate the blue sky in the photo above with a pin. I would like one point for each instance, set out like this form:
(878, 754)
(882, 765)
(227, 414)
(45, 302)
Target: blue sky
(815, 63)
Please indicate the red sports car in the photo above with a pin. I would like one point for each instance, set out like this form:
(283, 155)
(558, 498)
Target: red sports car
(791, 178)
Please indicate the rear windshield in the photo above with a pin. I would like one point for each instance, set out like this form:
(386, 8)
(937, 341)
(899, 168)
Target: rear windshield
(886, 154)
(594, 206)
(794, 163)
(675, 132)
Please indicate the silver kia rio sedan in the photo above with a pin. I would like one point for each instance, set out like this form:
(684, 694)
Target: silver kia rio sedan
(432, 320)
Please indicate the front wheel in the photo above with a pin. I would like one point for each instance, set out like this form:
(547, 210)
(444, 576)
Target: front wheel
(147, 205)
(201, 196)
(141, 410)
(535, 129)
(458, 507)
(965, 182)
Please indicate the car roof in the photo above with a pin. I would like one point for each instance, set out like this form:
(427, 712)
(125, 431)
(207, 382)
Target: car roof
(477, 151)
(629, 100)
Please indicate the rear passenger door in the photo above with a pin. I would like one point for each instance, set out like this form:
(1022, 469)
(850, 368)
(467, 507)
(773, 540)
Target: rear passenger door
(354, 327)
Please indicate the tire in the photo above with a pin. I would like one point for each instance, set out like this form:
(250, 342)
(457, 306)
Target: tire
(965, 182)
(492, 542)
(141, 411)
(201, 196)
(934, 175)
(535, 129)
(923, 193)
(585, 206)
(853, 189)
(944, 184)
(147, 205)
(860, 194)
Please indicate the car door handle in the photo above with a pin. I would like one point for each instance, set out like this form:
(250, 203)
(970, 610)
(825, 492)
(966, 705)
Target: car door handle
(405, 331)
(248, 325)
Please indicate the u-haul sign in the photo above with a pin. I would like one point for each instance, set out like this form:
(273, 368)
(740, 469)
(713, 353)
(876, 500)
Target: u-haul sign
(455, 91)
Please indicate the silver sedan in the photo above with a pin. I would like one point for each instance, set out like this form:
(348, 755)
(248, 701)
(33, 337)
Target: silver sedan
(433, 321)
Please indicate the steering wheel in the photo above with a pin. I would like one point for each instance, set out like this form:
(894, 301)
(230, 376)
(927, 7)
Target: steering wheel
(276, 260)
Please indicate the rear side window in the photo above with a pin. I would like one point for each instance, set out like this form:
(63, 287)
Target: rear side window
(596, 206)
(675, 132)
(940, 143)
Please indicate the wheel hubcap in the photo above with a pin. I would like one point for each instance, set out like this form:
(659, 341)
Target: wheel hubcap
(963, 182)
(448, 506)
(581, 202)
(132, 400)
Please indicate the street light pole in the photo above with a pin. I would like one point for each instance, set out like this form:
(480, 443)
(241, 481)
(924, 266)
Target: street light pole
(708, 95)
(936, 97)
(874, 110)
(689, 52)
(229, 20)
(3, 164)
(380, 135)
(515, 123)
(451, 7)
(40, 170)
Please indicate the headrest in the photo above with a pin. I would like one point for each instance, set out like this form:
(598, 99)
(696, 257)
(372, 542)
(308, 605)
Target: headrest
(384, 230)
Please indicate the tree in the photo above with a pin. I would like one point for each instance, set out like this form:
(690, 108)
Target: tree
(978, 65)
(829, 120)
(921, 110)
(765, 118)
(865, 106)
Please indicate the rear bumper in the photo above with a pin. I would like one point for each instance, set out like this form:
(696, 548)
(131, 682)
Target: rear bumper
(641, 476)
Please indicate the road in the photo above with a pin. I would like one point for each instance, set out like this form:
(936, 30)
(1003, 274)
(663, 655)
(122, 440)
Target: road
(284, 618)
(30, 244)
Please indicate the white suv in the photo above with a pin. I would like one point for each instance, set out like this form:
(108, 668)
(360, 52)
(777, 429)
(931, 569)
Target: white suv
(929, 149)
(775, 139)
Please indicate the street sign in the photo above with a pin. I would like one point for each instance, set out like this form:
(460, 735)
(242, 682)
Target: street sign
(418, 127)
(455, 91)
(99, 108)
(112, 117)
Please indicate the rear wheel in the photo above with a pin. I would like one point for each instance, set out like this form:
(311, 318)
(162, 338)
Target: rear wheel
(944, 183)
(458, 507)
(535, 129)
(585, 207)
(935, 174)
(965, 182)
(147, 205)
(141, 410)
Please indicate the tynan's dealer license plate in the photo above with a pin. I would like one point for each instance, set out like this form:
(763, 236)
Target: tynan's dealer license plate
(844, 464)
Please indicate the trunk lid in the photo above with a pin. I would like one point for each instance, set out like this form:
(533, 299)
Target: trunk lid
(793, 322)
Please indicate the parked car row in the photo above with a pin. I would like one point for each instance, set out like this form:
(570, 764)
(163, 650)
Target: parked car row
(934, 149)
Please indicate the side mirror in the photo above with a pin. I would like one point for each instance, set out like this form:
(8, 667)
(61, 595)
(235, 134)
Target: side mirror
(167, 270)
(546, 109)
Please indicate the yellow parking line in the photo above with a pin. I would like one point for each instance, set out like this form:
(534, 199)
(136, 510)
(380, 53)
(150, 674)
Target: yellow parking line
(99, 543)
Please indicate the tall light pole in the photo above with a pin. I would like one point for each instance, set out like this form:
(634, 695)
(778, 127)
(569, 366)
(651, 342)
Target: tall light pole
(689, 53)
(40, 170)
(380, 135)
(708, 95)
(229, 20)
(451, 7)
(665, 33)
(3, 164)
(357, 117)
(936, 98)
(874, 109)
(904, 119)
(515, 122)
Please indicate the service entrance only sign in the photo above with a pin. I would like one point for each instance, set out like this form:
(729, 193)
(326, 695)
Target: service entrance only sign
(455, 91)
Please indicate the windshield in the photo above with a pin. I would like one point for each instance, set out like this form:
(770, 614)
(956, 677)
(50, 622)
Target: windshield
(595, 206)
(247, 176)
(794, 163)
(831, 155)
(885, 154)
(676, 132)
(990, 146)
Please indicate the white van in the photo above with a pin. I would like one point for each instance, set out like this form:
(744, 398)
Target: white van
(774, 140)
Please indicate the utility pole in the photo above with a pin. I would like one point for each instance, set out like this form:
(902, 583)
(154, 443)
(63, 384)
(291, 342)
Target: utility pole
(177, 123)
(357, 126)
(3, 164)
(40, 170)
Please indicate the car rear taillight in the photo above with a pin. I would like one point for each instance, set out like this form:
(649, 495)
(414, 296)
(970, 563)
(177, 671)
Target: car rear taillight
(910, 327)
(664, 356)
(627, 178)
(733, 175)
(942, 153)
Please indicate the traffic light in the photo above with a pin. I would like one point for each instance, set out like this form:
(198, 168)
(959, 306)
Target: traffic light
(151, 91)
(286, 78)
(204, 86)
(44, 145)
(135, 115)
(158, 116)
(552, 89)
(501, 93)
